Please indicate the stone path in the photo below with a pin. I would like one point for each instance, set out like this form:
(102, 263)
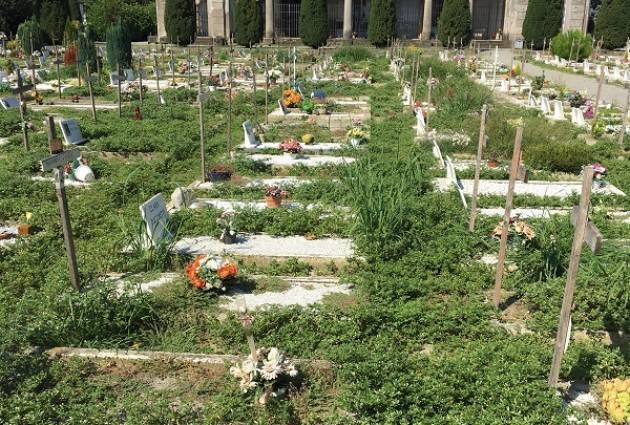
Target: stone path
(610, 93)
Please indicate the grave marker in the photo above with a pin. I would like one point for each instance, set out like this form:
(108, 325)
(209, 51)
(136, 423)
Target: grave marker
(545, 108)
(72, 132)
(558, 111)
(129, 76)
(475, 191)
(577, 117)
(421, 128)
(57, 63)
(283, 108)
(155, 217)
(599, 94)
(22, 107)
(592, 236)
(516, 158)
(10, 103)
(569, 289)
(250, 138)
(202, 132)
(56, 163)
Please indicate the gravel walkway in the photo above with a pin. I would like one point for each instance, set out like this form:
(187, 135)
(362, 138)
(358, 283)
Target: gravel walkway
(319, 147)
(270, 246)
(275, 181)
(308, 161)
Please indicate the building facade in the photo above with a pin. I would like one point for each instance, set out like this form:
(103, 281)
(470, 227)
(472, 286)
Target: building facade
(347, 19)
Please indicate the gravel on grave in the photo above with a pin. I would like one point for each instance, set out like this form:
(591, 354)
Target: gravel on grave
(538, 188)
(317, 147)
(308, 161)
(303, 292)
(275, 181)
(269, 246)
(124, 285)
(231, 205)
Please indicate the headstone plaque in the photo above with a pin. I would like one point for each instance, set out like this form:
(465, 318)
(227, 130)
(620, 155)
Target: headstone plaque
(421, 127)
(283, 108)
(156, 219)
(250, 138)
(545, 108)
(558, 110)
(577, 117)
(72, 132)
(10, 103)
(114, 77)
(129, 75)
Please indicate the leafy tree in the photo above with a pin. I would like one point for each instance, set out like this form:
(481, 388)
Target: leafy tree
(28, 29)
(138, 17)
(382, 22)
(612, 23)
(314, 23)
(582, 45)
(180, 19)
(543, 20)
(455, 21)
(247, 22)
(52, 18)
(87, 48)
(14, 12)
(71, 31)
(118, 47)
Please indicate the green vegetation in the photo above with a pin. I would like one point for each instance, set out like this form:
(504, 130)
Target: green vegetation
(30, 30)
(52, 16)
(543, 21)
(314, 23)
(455, 22)
(247, 23)
(180, 19)
(87, 48)
(382, 23)
(611, 25)
(14, 13)
(572, 43)
(118, 47)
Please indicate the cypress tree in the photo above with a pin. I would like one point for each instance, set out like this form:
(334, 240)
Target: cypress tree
(28, 29)
(612, 23)
(247, 23)
(382, 22)
(87, 48)
(118, 47)
(455, 21)
(180, 20)
(543, 20)
(314, 23)
(52, 18)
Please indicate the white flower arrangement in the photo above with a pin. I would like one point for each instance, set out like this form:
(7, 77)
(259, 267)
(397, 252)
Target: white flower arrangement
(270, 370)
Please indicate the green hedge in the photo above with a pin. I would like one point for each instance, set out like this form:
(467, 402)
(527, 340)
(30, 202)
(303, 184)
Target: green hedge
(247, 23)
(455, 21)
(314, 23)
(612, 23)
(180, 19)
(118, 47)
(382, 23)
(543, 20)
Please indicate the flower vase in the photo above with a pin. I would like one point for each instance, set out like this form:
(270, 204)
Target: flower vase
(273, 202)
(355, 142)
(492, 163)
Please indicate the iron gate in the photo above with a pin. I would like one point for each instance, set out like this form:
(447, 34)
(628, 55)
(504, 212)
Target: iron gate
(408, 19)
(488, 17)
(360, 17)
(335, 18)
(286, 16)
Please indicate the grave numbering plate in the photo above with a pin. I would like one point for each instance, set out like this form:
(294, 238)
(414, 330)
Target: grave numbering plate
(72, 132)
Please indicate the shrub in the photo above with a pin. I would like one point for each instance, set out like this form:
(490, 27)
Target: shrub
(543, 20)
(247, 25)
(118, 47)
(559, 156)
(582, 45)
(28, 29)
(612, 23)
(87, 49)
(382, 22)
(180, 20)
(455, 21)
(52, 18)
(314, 23)
(352, 54)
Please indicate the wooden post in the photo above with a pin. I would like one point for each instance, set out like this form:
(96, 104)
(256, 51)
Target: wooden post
(569, 289)
(119, 92)
(475, 192)
(156, 71)
(88, 79)
(56, 163)
(202, 131)
(599, 93)
(229, 117)
(516, 157)
(624, 121)
(266, 88)
(58, 62)
(172, 68)
(32, 64)
(188, 63)
(255, 102)
(98, 66)
(140, 72)
(76, 63)
(430, 88)
(20, 88)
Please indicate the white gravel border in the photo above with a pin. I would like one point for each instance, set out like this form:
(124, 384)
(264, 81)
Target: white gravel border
(308, 161)
(562, 189)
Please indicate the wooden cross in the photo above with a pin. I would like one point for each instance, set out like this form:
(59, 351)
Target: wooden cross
(21, 88)
(58, 62)
(202, 97)
(247, 320)
(56, 163)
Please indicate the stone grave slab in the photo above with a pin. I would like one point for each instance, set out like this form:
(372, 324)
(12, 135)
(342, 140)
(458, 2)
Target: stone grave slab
(307, 161)
(302, 291)
(6, 243)
(10, 103)
(270, 247)
(71, 132)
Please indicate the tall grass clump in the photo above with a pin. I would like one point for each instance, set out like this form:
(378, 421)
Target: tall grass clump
(353, 54)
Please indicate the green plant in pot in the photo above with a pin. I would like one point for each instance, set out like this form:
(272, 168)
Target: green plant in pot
(308, 106)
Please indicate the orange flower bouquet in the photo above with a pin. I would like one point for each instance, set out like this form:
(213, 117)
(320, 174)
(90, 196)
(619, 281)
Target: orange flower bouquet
(209, 272)
(291, 98)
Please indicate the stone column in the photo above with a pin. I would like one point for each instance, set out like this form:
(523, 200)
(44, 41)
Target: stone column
(159, 11)
(426, 19)
(347, 19)
(268, 21)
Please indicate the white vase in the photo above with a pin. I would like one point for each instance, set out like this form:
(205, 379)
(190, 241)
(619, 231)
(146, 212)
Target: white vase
(355, 142)
(84, 174)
